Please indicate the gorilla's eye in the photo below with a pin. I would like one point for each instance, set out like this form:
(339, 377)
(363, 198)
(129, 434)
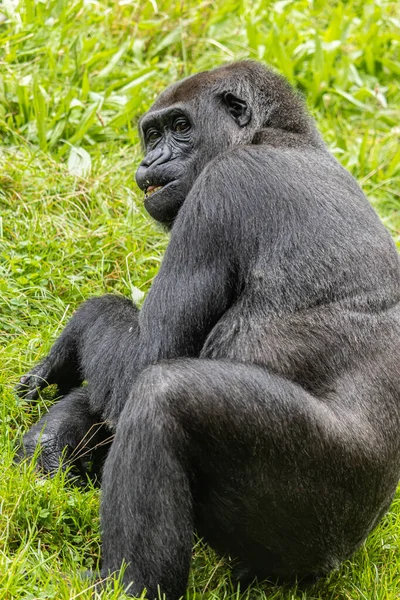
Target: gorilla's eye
(181, 125)
(152, 135)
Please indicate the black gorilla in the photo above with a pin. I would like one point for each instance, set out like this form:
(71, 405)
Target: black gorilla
(256, 395)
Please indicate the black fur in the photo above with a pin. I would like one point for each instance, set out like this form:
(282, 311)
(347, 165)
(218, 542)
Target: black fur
(256, 395)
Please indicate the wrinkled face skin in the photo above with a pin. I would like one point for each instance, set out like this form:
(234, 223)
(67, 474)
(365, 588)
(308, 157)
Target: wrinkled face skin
(190, 124)
(167, 171)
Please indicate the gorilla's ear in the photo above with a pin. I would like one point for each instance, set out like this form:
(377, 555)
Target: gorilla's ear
(238, 108)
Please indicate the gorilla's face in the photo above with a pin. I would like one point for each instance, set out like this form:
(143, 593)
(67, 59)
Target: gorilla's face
(168, 170)
(187, 127)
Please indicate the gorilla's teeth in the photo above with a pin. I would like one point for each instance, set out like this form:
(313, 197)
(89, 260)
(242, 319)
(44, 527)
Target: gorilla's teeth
(152, 189)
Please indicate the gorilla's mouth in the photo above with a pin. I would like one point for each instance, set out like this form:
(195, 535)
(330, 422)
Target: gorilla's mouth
(153, 189)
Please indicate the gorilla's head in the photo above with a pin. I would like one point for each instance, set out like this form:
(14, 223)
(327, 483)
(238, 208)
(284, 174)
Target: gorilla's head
(196, 119)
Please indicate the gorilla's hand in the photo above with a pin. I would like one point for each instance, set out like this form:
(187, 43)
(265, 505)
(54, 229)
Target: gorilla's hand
(60, 366)
(37, 379)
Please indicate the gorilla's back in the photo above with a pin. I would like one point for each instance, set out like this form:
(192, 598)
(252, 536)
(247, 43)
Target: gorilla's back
(320, 291)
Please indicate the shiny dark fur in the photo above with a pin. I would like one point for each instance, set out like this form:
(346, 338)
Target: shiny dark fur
(256, 395)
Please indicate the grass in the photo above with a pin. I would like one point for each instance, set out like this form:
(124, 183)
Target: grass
(74, 77)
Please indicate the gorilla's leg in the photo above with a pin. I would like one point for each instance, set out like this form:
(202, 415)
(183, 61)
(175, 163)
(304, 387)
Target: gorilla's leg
(95, 345)
(92, 337)
(71, 432)
(264, 471)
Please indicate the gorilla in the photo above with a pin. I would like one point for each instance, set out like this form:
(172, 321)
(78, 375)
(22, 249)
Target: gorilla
(255, 397)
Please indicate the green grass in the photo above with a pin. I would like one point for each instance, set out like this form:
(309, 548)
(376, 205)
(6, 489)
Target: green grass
(74, 78)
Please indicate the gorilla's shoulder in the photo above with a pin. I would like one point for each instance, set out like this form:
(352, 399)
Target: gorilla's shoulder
(244, 171)
(244, 161)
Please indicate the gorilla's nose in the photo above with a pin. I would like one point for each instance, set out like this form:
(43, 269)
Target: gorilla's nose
(142, 178)
(158, 156)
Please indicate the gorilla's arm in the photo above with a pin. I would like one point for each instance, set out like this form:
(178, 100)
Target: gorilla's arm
(108, 341)
(195, 286)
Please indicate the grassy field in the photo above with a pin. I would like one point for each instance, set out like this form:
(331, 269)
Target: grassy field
(74, 78)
